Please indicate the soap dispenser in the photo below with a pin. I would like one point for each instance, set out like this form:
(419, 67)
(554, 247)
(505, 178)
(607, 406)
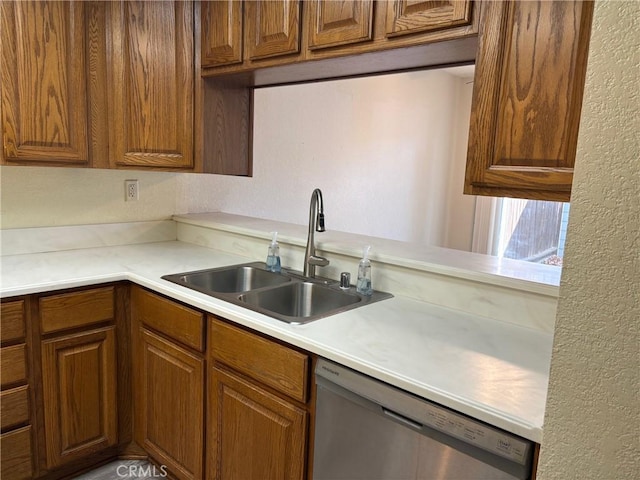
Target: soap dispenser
(363, 286)
(273, 255)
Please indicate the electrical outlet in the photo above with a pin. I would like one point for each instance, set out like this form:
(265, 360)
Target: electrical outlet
(130, 190)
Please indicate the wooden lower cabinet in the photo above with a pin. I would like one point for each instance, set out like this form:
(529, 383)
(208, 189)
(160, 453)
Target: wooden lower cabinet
(253, 434)
(158, 382)
(16, 454)
(15, 412)
(169, 404)
(79, 391)
(259, 405)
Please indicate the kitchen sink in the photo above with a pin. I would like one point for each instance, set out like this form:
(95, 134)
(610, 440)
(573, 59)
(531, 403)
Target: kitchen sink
(300, 300)
(238, 278)
(288, 295)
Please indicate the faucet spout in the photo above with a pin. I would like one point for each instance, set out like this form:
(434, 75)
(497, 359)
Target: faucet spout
(316, 224)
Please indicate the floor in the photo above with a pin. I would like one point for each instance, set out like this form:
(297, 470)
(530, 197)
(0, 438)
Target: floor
(124, 470)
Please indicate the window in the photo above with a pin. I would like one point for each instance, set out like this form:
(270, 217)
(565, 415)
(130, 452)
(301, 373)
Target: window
(528, 230)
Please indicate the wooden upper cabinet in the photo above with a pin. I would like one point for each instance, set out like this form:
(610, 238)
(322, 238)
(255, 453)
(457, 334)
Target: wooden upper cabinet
(44, 94)
(221, 32)
(412, 16)
(273, 28)
(527, 98)
(152, 88)
(338, 23)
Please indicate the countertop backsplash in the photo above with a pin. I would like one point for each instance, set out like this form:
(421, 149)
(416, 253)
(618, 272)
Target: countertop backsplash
(501, 289)
(511, 291)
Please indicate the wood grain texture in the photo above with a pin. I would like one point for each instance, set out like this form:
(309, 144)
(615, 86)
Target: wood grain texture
(383, 50)
(311, 408)
(44, 95)
(97, 83)
(152, 84)
(339, 23)
(14, 407)
(178, 322)
(80, 403)
(13, 365)
(270, 363)
(527, 98)
(537, 107)
(76, 309)
(12, 326)
(228, 125)
(169, 403)
(253, 435)
(221, 32)
(16, 454)
(124, 334)
(273, 28)
(35, 381)
(411, 16)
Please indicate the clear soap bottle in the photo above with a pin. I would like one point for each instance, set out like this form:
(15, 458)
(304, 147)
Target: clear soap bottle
(363, 285)
(273, 255)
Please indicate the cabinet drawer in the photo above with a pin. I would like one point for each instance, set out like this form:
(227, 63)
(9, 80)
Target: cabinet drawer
(16, 454)
(77, 309)
(14, 405)
(12, 318)
(268, 362)
(13, 364)
(178, 322)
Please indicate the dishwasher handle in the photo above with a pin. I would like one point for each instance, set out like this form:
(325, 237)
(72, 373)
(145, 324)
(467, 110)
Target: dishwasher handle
(402, 419)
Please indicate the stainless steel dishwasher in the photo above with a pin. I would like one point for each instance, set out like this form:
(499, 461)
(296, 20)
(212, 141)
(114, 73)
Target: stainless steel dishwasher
(368, 430)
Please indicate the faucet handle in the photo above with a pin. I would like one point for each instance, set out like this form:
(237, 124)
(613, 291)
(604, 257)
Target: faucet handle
(318, 261)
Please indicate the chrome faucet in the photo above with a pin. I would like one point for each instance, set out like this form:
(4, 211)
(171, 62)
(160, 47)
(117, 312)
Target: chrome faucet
(316, 224)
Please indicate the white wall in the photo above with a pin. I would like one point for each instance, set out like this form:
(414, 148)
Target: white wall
(388, 153)
(47, 196)
(460, 209)
(593, 406)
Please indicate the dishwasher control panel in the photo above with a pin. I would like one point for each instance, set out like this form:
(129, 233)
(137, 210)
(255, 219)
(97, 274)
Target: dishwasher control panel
(475, 433)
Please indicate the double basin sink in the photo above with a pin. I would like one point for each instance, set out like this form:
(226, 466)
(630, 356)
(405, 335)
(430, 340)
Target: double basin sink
(286, 296)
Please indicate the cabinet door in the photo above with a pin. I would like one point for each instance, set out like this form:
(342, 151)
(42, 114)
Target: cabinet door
(339, 23)
(273, 28)
(527, 98)
(253, 434)
(44, 95)
(152, 89)
(411, 16)
(221, 32)
(169, 390)
(79, 388)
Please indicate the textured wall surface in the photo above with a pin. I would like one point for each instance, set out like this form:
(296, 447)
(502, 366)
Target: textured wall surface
(593, 407)
(49, 196)
(388, 153)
